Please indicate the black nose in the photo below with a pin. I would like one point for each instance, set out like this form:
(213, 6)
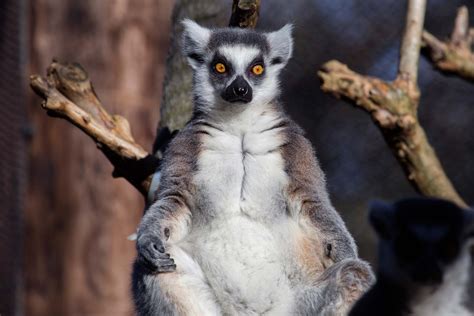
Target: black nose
(238, 91)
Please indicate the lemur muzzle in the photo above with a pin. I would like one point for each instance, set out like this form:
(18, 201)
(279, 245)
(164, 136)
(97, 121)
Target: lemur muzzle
(238, 91)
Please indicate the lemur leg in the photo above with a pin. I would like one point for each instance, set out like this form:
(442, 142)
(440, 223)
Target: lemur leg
(180, 292)
(336, 290)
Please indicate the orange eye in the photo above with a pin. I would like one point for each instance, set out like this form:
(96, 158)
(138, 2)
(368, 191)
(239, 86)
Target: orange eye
(220, 68)
(257, 70)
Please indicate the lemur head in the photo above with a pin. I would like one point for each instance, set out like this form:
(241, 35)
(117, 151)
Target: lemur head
(235, 67)
(420, 238)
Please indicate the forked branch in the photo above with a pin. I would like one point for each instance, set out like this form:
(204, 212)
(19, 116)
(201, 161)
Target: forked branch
(68, 93)
(393, 108)
(453, 55)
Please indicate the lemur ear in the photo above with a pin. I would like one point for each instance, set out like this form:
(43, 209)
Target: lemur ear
(195, 40)
(381, 217)
(281, 45)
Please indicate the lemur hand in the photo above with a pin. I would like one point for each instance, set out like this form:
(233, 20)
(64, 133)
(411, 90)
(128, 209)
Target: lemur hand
(352, 278)
(152, 254)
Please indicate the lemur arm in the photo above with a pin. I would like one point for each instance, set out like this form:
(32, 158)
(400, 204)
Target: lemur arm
(168, 219)
(308, 199)
(344, 277)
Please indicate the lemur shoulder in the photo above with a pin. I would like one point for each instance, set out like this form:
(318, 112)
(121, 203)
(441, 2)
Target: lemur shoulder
(243, 224)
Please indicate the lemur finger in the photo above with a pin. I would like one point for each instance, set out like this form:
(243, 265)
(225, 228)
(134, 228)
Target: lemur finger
(150, 246)
(165, 265)
(156, 263)
(165, 262)
(167, 268)
(152, 255)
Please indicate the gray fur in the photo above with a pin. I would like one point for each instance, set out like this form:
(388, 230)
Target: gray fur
(147, 293)
(242, 206)
(308, 182)
(232, 36)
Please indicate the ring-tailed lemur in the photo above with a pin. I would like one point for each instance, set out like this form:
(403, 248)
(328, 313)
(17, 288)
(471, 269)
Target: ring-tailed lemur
(243, 224)
(424, 259)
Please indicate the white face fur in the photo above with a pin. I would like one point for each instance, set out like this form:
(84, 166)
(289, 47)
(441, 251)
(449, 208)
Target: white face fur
(235, 69)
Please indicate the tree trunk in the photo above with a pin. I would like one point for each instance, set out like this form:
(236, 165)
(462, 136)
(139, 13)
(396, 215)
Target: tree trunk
(78, 259)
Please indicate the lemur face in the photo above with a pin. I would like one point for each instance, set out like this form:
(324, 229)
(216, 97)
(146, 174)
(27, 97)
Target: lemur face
(235, 67)
(420, 238)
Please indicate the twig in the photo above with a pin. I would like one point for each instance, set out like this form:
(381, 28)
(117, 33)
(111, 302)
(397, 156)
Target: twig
(245, 13)
(410, 50)
(393, 108)
(68, 93)
(454, 55)
(460, 34)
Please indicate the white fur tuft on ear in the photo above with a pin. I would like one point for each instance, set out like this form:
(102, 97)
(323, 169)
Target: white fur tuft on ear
(281, 44)
(195, 40)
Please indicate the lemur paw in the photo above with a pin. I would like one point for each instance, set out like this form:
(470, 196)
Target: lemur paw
(355, 277)
(152, 254)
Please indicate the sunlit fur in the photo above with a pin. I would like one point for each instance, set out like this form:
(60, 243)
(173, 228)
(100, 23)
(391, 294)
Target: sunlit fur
(252, 229)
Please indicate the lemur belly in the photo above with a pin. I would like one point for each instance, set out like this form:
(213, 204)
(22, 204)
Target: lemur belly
(245, 266)
(241, 243)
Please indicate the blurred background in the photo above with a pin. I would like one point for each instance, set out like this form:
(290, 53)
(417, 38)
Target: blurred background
(64, 220)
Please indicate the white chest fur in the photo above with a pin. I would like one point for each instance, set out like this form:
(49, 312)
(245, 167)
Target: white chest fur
(241, 240)
(240, 167)
(448, 299)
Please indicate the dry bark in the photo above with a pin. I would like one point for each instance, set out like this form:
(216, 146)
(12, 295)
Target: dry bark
(245, 13)
(453, 55)
(68, 93)
(393, 108)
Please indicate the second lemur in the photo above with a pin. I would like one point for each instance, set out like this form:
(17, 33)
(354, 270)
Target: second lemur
(242, 223)
(424, 259)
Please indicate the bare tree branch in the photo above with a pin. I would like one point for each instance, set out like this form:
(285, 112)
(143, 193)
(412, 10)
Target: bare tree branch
(68, 93)
(410, 50)
(393, 108)
(454, 55)
(460, 34)
(245, 13)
